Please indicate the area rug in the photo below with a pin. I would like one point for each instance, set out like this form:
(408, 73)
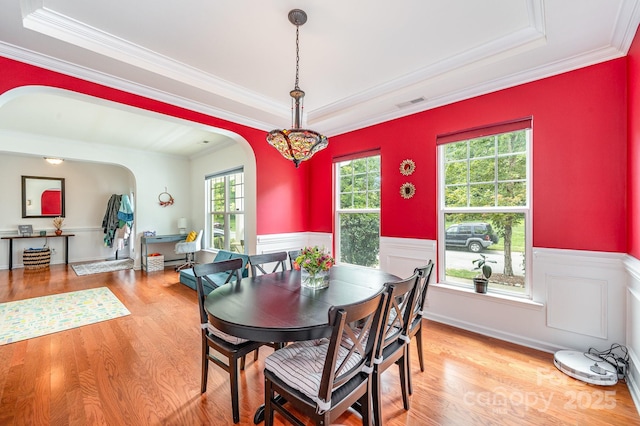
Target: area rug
(29, 318)
(106, 266)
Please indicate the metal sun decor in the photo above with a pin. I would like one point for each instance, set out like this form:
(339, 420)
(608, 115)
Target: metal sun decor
(297, 144)
(407, 167)
(407, 190)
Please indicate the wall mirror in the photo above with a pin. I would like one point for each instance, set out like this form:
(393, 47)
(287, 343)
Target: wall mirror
(42, 196)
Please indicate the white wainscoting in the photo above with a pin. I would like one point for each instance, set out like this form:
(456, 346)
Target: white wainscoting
(633, 327)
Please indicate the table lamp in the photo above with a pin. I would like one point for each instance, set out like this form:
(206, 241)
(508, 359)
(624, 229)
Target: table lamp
(182, 225)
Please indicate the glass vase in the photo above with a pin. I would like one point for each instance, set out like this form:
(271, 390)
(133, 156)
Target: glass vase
(315, 281)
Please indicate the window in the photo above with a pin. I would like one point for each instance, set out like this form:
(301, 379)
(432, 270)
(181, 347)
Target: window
(485, 206)
(225, 211)
(357, 191)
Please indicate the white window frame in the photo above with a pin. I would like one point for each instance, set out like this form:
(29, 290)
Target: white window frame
(336, 190)
(227, 213)
(527, 210)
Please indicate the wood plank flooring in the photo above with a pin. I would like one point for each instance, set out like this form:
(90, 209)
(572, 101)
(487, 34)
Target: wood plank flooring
(144, 369)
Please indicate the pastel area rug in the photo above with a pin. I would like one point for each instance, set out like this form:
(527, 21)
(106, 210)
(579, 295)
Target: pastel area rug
(25, 319)
(106, 266)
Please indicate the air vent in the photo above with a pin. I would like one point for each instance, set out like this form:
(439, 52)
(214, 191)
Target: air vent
(411, 102)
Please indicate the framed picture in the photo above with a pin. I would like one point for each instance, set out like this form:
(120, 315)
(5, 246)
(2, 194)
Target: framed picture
(25, 230)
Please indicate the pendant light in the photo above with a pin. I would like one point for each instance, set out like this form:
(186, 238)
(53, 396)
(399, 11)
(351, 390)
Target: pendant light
(297, 144)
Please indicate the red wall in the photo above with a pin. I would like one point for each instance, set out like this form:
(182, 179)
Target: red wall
(281, 208)
(579, 159)
(633, 151)
(579, 156)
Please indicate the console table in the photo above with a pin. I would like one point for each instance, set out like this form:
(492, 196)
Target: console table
(156, 239)
(19, 237)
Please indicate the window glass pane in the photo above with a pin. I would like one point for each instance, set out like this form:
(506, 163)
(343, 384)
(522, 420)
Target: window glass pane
(512, 194)
(482, 147)
(236, 229)
(217, 230)
(360, 238)
(500, 237)
(512, 167)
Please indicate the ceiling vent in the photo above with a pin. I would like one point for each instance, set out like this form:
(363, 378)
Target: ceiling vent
(411, 102)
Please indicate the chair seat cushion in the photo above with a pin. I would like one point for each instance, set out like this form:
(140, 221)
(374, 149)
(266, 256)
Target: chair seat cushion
(299, 365)
(224, 336)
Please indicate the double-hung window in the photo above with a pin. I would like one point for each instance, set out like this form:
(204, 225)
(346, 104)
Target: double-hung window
(484, 205)
(357, 195)
(225, 210)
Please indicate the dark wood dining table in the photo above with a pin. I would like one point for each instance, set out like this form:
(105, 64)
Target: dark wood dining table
(276, 308)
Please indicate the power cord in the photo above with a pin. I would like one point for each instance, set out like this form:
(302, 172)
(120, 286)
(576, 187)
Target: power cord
(617, 355)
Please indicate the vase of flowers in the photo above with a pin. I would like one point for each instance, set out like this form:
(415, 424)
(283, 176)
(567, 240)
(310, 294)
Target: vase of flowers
(57, 223)
(314, 264)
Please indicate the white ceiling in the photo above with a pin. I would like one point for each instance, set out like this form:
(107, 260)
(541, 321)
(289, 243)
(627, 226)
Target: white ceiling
(361, 61)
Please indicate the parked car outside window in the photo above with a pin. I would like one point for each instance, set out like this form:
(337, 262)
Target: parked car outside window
(473, 236)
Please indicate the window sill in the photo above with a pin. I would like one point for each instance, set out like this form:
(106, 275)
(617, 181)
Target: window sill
(493, 297)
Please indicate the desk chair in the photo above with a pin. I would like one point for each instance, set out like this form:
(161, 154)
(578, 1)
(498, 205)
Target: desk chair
(393, 340)
(233, 348)
(415, 322)
(323, 378)
(258, 263)
(189, 249)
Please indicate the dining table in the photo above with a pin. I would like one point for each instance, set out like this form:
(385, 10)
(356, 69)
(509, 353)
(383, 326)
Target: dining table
(277, 308)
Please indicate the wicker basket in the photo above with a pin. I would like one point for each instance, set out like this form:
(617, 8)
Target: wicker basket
(36, 258)
(155, 263)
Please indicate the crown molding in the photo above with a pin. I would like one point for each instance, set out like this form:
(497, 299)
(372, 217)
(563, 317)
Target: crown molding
(39, 18)
(47, 62)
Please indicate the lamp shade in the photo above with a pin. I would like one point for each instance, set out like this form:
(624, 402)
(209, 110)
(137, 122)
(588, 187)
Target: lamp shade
(182, 225)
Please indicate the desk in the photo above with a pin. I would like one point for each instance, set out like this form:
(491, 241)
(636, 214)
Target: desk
(156, 239)
(275, 308)
(17, 237)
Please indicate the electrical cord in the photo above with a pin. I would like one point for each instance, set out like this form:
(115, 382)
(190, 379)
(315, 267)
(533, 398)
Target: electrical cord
(617, 355)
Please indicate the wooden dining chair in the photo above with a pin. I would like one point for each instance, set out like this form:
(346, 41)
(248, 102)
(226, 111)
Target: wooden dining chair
(293, 255)
(323, 378)
(415, 322)
(233, 348)
(393, 340)
(276, 262)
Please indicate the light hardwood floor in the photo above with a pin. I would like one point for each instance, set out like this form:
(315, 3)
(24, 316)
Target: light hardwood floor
(144, 369)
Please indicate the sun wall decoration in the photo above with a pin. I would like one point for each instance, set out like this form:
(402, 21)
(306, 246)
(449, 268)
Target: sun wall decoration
(407, 190)
(407, 167)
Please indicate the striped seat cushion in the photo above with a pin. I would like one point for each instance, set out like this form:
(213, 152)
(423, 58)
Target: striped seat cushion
(300, 364)
(224, 336)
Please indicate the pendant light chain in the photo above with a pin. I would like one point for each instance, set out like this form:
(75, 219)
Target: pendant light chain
(297, 56)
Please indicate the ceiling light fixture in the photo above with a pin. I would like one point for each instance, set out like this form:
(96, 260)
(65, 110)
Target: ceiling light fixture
(297, 144)
(54, 161)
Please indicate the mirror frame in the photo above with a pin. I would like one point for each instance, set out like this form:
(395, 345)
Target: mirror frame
(26, 180)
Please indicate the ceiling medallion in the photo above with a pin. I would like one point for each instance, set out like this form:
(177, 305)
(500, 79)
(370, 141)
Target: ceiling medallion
(407, 167)
(407, 190)
(297, 144)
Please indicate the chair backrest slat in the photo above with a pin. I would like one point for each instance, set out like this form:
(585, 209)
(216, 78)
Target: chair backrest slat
(259, 263)
(397, 314)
